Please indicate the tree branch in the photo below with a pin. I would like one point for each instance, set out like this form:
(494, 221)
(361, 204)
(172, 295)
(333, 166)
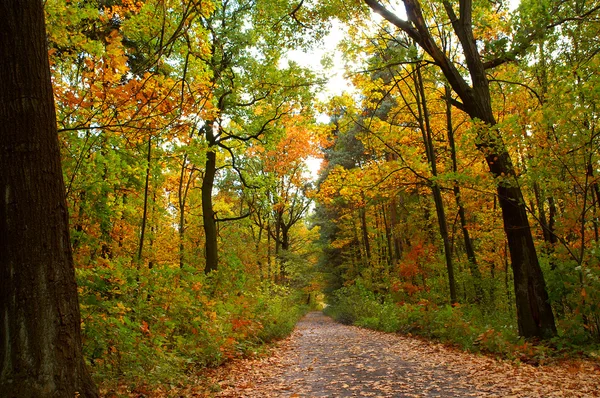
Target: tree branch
(233, 218)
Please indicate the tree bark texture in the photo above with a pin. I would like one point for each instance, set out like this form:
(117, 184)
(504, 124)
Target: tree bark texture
(40, 341)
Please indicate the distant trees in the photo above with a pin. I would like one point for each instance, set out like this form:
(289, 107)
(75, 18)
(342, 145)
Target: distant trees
(534, 312)
(454, 83)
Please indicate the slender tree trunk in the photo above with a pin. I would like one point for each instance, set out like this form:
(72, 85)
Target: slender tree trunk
(469, 249)
(102, 210)
(153, 230)
(285, 247)
(257, 249)
(357, 258)
(395, 220)
(79, 226)
(547, 224)
(182, 194)
(365, 234)
(595, 219)
(388, 238)
(423, 116)
(543, 220)
(552, 219)
(145, 211)
(40, 340)
(492, 291)
(377, 237)
(208, 214)
(181, 232)
(506, 267)
(277, 236)
(269, 264)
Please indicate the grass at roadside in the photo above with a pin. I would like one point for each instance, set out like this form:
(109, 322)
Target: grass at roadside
(470, 327)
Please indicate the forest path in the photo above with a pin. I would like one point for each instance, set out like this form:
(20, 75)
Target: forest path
(326, 359)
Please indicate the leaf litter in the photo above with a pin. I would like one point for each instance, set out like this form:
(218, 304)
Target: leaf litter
(323, 358)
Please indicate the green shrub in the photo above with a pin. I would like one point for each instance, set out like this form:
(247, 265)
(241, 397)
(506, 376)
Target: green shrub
(154, 325)
(470, 327)
(278, 311)
(352, 303)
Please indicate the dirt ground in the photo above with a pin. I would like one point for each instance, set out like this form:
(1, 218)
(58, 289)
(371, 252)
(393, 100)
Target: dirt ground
(326, 359)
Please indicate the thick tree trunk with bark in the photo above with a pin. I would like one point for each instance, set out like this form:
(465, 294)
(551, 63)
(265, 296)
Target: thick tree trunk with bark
(40, 341)
(534, 313)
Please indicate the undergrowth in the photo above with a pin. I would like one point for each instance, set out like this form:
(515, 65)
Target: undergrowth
(150, 326)
(470, 327)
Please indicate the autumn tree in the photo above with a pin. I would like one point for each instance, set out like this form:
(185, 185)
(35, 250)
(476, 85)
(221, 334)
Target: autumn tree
(535, 316)
(250, 90)
(41, 344)
(289, 187)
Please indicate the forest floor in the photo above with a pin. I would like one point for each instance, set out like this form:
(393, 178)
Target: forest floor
(325, 359)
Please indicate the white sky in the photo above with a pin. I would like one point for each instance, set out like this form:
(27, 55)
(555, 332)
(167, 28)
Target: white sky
(336, 81)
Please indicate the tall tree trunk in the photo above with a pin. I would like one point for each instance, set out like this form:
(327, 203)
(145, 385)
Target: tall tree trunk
(395, 220)
(469, 249)
(102, 210)
(365, 234)
(211, 254)
(257, 249)
(357, 257)
(425, 126)
(182, 194)
(80, 214)
(208, 214)
(547, 223)
(277, 235)
(543, 220)
(534, 313)
(153, 230)
(40, 341)
(145, 211)
(269, 265)
(388, 238)
(285, 247)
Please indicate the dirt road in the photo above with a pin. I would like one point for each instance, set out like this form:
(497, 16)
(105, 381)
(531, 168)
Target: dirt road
(325, 359)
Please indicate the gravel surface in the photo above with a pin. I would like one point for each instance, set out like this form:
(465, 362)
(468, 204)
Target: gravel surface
(325, 359)
(334, 360)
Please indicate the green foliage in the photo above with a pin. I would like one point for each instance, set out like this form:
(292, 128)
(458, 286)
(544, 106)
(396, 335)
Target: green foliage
(575, 296)
(155, 325)
(351, 304)
(468, 326)
(277, 311)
